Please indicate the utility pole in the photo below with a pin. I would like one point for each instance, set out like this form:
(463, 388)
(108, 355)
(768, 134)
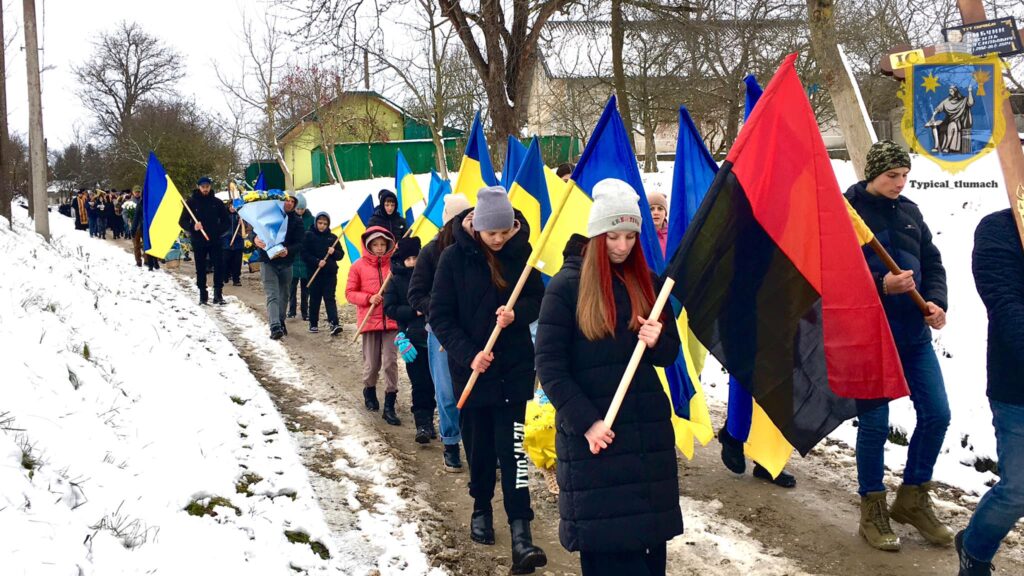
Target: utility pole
(36, 145)
(6, 194)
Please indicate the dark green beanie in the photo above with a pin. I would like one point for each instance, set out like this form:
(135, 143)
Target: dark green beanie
(885, 155)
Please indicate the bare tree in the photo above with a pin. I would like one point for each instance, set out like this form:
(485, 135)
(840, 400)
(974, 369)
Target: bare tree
(6, 193)
(127, 66)
(256, 91)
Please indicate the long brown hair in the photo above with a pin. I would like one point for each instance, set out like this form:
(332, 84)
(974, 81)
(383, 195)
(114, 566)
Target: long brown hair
(493, 263)
(595, 308)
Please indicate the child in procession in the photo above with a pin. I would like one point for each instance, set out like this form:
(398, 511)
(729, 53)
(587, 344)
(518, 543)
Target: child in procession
(420, 285)
(365, 280)
(619, 501)
(412, 340)
(319, 252)
(659, 214)
(474, 280)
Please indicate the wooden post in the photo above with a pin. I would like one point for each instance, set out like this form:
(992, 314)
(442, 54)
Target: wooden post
(1011, 156)
(638, 353)
(369, 312)
(37, 151)
(495, 333)
(192, 214)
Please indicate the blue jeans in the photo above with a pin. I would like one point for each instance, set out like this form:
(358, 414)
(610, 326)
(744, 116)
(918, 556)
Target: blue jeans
(928, 393)
(1003, 505)
(447, 413)
(277, 280)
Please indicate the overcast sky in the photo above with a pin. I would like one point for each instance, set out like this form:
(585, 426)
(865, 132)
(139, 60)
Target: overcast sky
(200, 30)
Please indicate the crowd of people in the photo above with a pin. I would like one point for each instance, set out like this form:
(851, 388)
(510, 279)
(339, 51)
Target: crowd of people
(435, 306)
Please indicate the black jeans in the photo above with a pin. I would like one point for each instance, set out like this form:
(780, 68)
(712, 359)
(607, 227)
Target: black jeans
(496, 432)
(322, 290)
(209, 255)
(299, 285)
(649, 562)
(423, 402)
(233, 265)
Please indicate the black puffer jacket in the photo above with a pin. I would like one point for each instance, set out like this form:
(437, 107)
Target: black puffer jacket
(397, 306)
(211, 212)
(999, 276)
(422, 281)
(394, 223)
(462, 315)
(627, 497)
(314, 249)
(900, 228)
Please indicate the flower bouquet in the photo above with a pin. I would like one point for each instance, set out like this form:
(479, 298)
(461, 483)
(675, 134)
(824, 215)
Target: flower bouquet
(264, 211)
(129, 208)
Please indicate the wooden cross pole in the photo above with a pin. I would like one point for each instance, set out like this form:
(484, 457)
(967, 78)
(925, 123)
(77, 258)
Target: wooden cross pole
(1011, 155)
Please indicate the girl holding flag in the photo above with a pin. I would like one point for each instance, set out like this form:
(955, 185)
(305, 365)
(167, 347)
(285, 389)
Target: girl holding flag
(474, 280)
(619, 501)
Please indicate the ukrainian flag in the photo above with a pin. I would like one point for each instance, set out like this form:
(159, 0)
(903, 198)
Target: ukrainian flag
(430, 222)
(161, 209)
(529, 191)
(406, 188)
(476, 170)
(351, 234)
(515, 152)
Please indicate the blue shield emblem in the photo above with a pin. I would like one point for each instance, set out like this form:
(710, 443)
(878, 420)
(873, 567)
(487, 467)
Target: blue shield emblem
(954, 108)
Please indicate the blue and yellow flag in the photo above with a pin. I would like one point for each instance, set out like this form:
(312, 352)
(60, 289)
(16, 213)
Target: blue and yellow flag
(529, 191)
(429, 223)
(161, 210)
(476, 170)
(406, 188)
(515, 152)
(351, 235)
(261, 183)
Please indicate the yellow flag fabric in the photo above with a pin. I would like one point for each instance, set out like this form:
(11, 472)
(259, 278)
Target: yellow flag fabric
(569, 215)
(698, 427)
(766, 445)
(864, 234)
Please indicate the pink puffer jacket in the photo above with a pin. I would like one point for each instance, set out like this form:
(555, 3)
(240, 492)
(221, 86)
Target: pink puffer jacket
(365, 279)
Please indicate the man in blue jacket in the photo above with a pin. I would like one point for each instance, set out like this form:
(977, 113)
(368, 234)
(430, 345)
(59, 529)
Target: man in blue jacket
(900, 228)
(999, 276)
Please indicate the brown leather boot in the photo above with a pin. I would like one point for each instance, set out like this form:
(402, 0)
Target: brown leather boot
(874, 523)
(913, 505)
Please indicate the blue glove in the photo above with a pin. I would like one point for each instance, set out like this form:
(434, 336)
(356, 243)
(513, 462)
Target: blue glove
(405, 348)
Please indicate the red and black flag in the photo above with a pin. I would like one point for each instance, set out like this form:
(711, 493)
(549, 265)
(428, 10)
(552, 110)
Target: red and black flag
(773, 277)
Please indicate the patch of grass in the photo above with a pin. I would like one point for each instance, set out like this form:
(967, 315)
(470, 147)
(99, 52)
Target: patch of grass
(238, 400)
(85, 351)
(205, 506)
(270, 432)
(986, 465)
(73, 378)
(898, 437)
(300, 537)
(244, 484)
(131, 533)
(29, 459)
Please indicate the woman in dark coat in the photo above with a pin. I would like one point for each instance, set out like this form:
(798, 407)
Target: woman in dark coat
(619, 501)
(474, 280)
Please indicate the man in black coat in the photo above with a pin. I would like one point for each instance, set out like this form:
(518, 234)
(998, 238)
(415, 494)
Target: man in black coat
(999, 276)
(899, 226)
(211, 217)
(386, 214)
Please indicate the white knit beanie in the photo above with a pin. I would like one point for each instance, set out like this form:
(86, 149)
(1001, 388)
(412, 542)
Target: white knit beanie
(454, 204)
(616, 208)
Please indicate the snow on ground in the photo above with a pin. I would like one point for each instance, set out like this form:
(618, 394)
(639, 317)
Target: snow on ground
(122, 405)
(952, 214)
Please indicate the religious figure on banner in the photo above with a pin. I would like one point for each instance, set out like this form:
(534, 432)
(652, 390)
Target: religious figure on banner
(952, 132)
(953, 108)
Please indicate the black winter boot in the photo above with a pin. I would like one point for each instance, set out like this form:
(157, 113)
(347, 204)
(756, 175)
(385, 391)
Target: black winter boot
(218, 296)
(370, 398)
(389, 409)
(481, 526)
(732, 452)
(525, 556)
(784, 479)
(969, 566)
(204, 297)
(452, 458)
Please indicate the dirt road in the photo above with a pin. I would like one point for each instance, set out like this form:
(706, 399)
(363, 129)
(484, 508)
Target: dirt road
(734, 524)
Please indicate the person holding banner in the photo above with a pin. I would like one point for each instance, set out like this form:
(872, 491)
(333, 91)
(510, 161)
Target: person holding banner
(619, 502)
(205, 230)
(365, 282)
(474, 280)
(276, 270)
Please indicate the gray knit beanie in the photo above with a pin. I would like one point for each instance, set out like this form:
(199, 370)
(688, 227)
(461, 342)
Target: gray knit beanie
(883, 156)
(454, 204)
(616, 208)
(493, 210)
(300, 201)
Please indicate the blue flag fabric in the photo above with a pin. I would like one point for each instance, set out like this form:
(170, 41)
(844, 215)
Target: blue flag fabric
(515, 152)
(753, 95)
(261, 183)
(609, 155)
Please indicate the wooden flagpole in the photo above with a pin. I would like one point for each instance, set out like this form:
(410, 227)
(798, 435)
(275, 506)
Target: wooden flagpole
(638, 353)
(380, 292)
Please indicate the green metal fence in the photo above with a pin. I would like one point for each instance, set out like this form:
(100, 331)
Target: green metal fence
(272, 174)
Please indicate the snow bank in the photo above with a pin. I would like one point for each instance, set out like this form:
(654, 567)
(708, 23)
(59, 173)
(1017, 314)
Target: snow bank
(122, 405)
